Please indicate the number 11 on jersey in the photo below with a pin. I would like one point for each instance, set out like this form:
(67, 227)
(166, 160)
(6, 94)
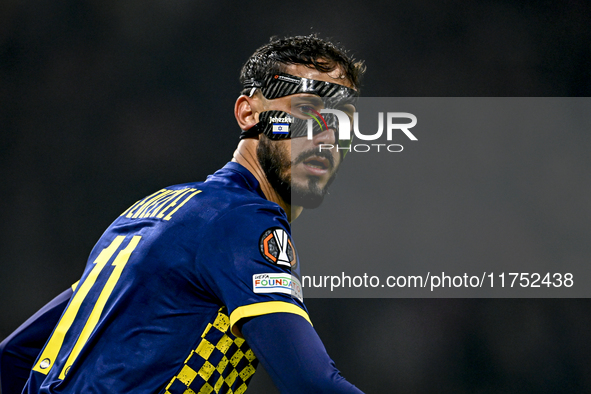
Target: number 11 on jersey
(47, 359)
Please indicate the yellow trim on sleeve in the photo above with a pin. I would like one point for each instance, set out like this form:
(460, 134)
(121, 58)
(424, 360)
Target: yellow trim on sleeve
(264, 308)
(75, 285)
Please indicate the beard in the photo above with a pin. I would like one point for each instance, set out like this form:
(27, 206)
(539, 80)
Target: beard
(277, 168)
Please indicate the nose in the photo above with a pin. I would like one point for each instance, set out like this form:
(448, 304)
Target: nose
(328, 136)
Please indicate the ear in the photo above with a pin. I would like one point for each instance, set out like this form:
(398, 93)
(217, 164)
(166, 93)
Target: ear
(244, 113)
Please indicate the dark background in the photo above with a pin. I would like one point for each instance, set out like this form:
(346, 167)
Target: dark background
(103, 102)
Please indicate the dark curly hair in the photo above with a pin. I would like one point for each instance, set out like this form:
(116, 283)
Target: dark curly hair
(309, 50)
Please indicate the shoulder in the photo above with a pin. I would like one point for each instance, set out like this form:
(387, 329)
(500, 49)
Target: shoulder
(228, 203)
(246, 217)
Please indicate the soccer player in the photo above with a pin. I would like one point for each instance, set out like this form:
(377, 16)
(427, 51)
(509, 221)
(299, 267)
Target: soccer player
(194, 284)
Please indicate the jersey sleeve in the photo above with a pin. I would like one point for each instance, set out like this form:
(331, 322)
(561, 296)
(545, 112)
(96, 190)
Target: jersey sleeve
(293, 355)
(20, 349)
(249, 262)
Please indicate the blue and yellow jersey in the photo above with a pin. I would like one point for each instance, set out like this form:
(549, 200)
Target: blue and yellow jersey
(156, 308)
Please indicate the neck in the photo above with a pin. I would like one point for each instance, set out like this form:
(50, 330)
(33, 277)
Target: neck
(246, 155)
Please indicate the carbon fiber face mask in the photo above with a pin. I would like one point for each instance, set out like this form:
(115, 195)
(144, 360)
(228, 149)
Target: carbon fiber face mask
(281, 84)
(278, 125)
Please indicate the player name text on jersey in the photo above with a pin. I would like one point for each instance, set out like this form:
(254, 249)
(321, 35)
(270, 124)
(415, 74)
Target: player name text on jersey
(160, 205)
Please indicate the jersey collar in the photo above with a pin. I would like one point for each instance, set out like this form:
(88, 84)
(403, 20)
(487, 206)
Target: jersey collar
(241, 176)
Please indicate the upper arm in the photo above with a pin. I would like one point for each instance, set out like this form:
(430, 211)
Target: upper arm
(249, 262)
(20, 349)
(293, 355)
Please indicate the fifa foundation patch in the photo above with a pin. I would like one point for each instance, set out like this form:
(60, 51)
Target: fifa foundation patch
(277, 283)
(276, 247)
(280, 128)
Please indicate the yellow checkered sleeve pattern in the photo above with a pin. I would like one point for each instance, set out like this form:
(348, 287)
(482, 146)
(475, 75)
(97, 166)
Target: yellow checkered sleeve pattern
(221, 363)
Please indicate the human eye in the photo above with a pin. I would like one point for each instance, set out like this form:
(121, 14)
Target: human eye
(306, 109)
